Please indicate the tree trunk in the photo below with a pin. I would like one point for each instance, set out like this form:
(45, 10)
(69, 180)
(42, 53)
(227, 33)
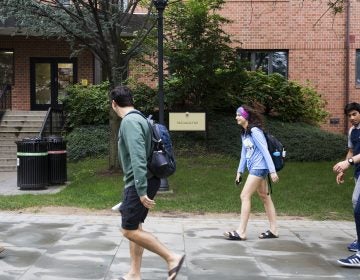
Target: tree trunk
(117, 77)
(114, 123)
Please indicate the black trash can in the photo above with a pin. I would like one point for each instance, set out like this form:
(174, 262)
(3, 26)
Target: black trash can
(57, 159)
(32, 164)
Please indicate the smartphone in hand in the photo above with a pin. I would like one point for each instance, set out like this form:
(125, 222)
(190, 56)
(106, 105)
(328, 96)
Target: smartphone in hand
(237, 182)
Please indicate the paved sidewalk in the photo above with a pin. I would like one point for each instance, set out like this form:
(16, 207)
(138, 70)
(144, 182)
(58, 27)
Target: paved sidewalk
(8, 186)
(91, 247)
(76, 247)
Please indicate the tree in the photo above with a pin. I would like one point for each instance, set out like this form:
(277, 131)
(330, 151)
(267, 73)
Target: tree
(198, 52)
(110, 29)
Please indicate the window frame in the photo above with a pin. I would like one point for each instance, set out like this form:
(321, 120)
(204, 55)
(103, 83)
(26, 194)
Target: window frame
(13, 64)
(270, 54)
(357, 68)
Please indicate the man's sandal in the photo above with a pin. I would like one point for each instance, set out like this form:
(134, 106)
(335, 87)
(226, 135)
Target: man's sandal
(233, 235)
(267, 235)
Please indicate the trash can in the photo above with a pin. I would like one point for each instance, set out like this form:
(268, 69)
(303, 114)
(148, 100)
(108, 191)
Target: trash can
(32, 164)
(57, 159)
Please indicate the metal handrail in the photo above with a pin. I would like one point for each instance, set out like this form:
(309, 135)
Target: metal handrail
(53, 122)
(5, 98)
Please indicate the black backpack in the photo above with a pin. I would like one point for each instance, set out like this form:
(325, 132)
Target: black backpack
(161, 162)
(276, 150)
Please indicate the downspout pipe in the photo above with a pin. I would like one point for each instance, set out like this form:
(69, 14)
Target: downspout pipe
(347, 60)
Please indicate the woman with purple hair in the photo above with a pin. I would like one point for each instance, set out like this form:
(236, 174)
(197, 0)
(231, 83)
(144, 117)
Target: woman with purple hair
(256, 158)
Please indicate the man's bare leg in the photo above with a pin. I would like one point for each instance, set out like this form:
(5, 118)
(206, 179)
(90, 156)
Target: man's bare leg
(148, 241)
(136, 253)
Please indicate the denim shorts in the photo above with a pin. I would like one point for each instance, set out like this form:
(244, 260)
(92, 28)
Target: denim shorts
(133, 212)
(259, 172)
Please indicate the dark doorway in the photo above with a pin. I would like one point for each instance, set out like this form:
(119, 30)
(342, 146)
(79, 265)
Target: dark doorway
(48, 79)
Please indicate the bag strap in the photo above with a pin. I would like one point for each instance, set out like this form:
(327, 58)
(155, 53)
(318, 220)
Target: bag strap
(152, 130)
(269, 184)
(153, 140)
(136, 112)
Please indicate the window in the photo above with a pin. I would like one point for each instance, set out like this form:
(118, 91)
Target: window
(123, 4)
(6, 67)
(357, 67)
(65, 2)
(267, 61)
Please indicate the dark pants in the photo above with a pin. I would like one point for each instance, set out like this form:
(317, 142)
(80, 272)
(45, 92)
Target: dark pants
(357, 218)
(133, 212)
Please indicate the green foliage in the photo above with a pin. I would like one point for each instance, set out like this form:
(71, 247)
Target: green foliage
(88, 141)
(90, 105)
(145, 97)
(205, 74)
(303, 142)
(196, 48)
(287, 100)
(87, 105)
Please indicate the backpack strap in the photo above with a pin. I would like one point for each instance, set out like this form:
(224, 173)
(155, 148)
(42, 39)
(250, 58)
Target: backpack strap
(269, 184)
(153, 140)
(136, 112)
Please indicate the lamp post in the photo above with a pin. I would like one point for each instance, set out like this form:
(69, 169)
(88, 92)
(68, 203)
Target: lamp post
(160, 7)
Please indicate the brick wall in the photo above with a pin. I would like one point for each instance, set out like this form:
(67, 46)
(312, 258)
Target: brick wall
(24, 48)
(316, 44)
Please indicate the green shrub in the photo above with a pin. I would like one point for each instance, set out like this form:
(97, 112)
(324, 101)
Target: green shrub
(145, 97)
(288, 100)
(88, 141)
(303, 142)
(90, 105)
(87, 105)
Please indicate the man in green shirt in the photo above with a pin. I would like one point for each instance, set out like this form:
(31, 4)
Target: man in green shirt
(134, 145)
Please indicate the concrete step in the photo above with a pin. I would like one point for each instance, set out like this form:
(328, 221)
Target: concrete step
(8, 141)
(15, 126)
(19, 129)
(8, 161)
(24, 113)
(16, 123)
(8, 168)
(9, 152)
(7, 144)
(20, 135)
(22, 118)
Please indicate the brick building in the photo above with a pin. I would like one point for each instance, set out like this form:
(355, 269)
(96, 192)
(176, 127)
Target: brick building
(292, 37)
(319, 48)
(41, 70)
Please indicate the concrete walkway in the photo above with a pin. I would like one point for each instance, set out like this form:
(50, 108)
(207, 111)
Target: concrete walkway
(56, 247)
(8, 186)
(91, 247)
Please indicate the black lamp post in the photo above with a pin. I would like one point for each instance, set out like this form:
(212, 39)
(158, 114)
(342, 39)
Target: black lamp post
(160, 7)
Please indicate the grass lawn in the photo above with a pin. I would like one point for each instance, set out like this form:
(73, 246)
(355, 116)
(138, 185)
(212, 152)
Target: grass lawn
(205, 184)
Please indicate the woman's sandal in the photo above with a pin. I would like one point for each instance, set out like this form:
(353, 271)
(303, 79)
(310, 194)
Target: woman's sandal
(233, 235)
(267, 235)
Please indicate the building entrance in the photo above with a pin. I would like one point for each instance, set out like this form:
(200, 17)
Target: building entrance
(48, 79)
